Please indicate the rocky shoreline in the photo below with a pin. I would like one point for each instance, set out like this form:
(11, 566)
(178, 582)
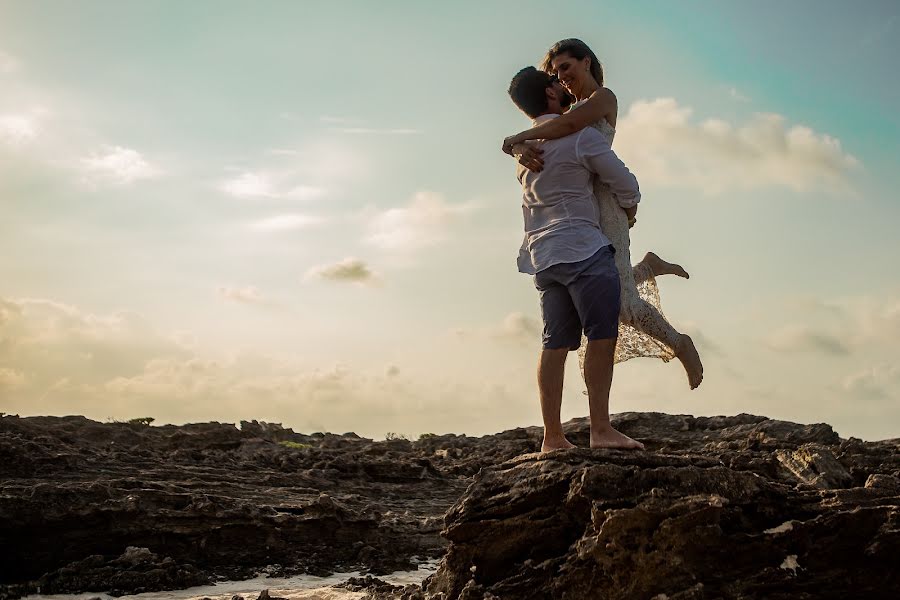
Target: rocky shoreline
(717, 507)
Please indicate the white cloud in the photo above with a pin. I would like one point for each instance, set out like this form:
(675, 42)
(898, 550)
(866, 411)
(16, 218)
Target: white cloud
(356, 126)
(245, 295)
(375, 131)
(249, 185)
(352, 270)
(516, 327)
(304, 192)
(795, 338)
(881, 381)
(423, 222)
(664, 146)
(119, 165)
(737, 95)
(8, 63)
(60, 360)
(705, 344)
(10, 379)
(854, 325)
(331, 120)
(287, 222)
(269, 185)
(19, 128)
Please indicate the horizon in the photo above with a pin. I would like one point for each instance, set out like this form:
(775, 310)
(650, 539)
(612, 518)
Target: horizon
(300, 213)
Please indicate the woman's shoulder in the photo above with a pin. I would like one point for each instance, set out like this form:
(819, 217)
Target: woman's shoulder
(606, 96)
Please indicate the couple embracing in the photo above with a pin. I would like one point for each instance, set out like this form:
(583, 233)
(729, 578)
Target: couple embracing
(579, 202)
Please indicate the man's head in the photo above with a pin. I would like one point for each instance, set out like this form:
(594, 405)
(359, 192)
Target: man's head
(538, 93)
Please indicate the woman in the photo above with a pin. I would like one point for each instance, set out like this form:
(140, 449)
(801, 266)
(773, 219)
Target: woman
(643, 330)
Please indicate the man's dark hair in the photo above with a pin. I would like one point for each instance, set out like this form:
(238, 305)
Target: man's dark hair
(528, 89)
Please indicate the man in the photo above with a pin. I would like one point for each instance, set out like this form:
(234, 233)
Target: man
(570, 258)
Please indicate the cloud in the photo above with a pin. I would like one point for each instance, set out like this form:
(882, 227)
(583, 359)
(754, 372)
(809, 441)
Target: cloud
(857, 325)
(352, 270)
(423, 222)
(799, 338)
(375, 131)
(331, 120)
(120, 166)
(269, 185)
(58, 359)
(249, 185)
(8, 63)
(19, 128)
(737, 95)
(878, 382)
(705, 344)
(287, 222)
(43, 342)
(664, 146)
(516, 327)
(244, 295)
(11, 379)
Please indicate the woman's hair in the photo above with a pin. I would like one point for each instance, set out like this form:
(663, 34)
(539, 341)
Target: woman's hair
(577, 50)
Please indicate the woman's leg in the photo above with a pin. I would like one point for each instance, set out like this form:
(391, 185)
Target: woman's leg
(653, 266)
(637, 312)
(646, 318)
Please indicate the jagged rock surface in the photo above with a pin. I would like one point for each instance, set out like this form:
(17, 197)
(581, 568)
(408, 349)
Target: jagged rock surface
(717, 507)
(722, 507)
(211, 500)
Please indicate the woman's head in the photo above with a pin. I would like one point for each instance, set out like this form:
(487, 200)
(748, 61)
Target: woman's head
(573, 62)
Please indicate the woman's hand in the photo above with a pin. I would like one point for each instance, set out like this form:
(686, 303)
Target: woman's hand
(529, 156)
(509, 142)
(631, 213)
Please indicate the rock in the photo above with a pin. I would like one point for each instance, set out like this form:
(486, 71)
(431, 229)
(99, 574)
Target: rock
(704, 515)
(883, 481)
(717, 507)
(134, 555)
(816, 466)
(209, 498)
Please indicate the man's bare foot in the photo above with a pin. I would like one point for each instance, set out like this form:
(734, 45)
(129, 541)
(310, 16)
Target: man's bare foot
(661, 267)
(556, 444)
(686, 352)
(610, 438)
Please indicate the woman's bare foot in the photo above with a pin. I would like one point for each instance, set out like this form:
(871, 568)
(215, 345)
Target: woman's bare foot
(686, 352)
(661, 267)
(556, 444)
(610, 438)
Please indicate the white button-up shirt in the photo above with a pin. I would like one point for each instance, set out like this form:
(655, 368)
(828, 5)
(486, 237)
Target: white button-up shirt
(562, 218)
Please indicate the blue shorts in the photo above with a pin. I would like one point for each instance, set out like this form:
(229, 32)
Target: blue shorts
(580, 296)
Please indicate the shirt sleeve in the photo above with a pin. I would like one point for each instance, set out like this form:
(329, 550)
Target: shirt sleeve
(594, 153)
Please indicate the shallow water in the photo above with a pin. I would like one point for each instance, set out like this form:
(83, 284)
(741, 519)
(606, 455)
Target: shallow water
(300, 587)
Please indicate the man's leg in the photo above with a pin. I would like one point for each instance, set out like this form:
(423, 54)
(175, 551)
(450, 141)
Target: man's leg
(595, 290)
(562, 333)
(551, 370)
(598, 375)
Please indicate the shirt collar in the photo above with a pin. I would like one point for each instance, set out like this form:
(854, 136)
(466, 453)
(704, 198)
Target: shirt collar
(543, 119)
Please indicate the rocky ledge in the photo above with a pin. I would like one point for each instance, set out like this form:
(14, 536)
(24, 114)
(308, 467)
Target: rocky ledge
(716, 507)
(126, 507)
(723, 507)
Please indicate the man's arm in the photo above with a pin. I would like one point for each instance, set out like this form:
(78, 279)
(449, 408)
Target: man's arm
(594, 153)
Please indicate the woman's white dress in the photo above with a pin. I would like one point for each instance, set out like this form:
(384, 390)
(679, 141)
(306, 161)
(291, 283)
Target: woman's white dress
(643, 329)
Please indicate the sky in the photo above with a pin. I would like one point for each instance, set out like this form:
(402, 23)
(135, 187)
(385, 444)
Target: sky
(298, 212)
